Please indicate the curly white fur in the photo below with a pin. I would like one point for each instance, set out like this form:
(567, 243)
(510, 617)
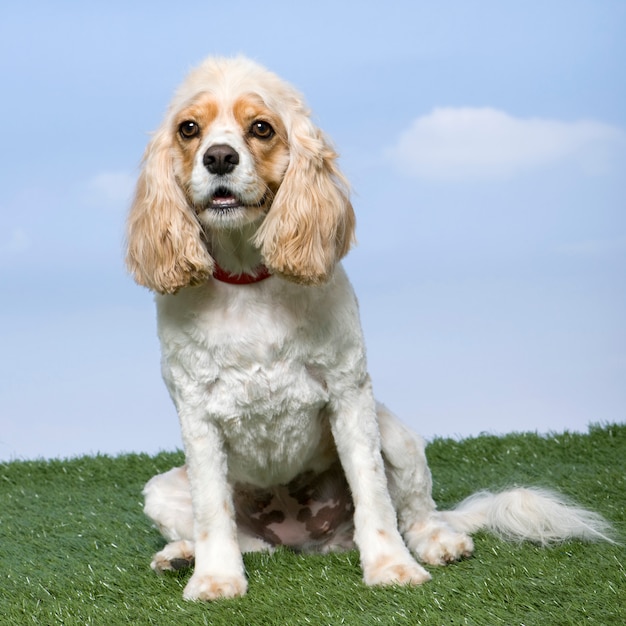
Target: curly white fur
(269, 378)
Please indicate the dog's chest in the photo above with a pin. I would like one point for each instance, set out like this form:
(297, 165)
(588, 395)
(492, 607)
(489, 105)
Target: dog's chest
(258, 371)
(272, 419)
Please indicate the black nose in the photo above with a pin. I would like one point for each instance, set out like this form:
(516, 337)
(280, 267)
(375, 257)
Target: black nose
(220, 159)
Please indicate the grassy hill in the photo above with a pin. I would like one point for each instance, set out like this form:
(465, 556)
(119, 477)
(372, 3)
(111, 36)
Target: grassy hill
(75, 548)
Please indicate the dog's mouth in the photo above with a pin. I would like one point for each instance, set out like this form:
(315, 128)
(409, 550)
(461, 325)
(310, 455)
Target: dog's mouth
(223, 200)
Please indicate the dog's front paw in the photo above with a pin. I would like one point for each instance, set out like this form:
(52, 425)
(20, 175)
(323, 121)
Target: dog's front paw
(437, 544)
(387, 570)
(210, 587)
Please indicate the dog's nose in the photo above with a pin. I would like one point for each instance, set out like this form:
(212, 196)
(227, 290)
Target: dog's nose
(220, 159)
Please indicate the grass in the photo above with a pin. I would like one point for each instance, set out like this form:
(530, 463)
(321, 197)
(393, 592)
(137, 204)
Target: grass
(75, 548)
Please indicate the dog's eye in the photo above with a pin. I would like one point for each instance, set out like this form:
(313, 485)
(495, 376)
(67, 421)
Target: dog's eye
(261, 129)
(189, 129)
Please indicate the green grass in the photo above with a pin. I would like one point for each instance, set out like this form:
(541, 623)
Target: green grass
(75, 548)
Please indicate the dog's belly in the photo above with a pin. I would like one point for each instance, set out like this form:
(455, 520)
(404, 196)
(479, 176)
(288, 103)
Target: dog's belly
(313, 512)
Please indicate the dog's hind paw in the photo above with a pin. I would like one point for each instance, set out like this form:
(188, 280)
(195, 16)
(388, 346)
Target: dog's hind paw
(436, 543)
(176, 555)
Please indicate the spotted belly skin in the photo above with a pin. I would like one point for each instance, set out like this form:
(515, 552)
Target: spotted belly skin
(312, 513)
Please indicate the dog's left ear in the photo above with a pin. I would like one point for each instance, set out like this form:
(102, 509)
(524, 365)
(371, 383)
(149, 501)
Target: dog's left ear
(310, 225)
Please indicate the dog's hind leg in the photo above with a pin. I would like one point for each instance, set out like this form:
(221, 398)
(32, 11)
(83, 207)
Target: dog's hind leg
(424, 530)
(168, 505)
(167, 502)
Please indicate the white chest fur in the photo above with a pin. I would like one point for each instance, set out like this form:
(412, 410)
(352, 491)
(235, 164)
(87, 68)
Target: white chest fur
(263, 362)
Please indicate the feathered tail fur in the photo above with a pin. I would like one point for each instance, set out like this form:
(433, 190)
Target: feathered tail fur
(530, 514)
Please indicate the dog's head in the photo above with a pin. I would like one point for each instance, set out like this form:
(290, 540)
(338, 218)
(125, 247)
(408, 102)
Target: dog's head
(237, 148)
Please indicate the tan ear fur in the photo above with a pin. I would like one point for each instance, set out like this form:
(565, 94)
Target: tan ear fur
(165, 249)
(310, 225)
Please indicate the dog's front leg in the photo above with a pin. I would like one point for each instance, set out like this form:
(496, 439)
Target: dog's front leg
(385, 558)
(219, 570)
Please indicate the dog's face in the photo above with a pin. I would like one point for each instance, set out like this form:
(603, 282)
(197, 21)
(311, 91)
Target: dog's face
(237, 147)
(231, 158)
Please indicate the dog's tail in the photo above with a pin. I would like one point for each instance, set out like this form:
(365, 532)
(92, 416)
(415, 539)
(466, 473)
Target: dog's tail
(532, 514)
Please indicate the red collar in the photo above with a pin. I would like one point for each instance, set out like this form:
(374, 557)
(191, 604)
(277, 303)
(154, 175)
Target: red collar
(259, 274)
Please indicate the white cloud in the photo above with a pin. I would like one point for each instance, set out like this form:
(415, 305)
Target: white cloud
(484, 144)
(109, 190)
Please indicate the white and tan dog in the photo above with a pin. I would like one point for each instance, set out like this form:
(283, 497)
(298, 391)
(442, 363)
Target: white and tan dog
(239, 222)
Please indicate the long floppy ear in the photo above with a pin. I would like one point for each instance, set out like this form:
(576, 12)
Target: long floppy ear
(310, 225)
(165, 249)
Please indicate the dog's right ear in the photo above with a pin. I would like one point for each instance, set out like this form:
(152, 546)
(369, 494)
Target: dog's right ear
(165, 247)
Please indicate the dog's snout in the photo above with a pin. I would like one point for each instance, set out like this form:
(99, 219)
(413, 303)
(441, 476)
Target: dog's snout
(221, 159)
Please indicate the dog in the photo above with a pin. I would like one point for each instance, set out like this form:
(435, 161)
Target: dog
(240, 219)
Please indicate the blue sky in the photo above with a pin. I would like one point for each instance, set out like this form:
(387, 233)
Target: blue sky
(486, 145)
